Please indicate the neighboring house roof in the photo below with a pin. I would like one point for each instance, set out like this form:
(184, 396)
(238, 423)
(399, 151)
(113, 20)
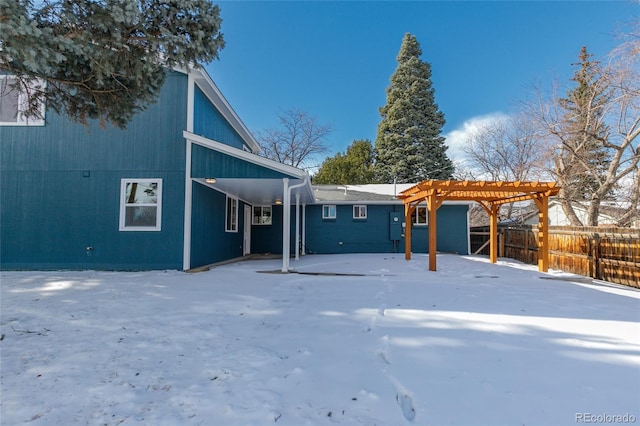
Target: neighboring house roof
(369, 194)
(342, 193)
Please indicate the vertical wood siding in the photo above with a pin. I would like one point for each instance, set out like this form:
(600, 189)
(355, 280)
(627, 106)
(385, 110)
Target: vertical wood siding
(61, 189)
(347, 235)
(209, 241)
(210, 163)
(208, 122)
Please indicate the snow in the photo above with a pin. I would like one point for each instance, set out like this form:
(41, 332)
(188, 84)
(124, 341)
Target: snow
(368, 339)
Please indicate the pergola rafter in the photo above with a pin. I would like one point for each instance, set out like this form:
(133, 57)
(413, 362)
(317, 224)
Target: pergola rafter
(490, 195)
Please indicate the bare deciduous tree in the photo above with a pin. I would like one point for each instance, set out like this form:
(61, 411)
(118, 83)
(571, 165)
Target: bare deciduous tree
(600, 125)
(505, 149)
(299, 140)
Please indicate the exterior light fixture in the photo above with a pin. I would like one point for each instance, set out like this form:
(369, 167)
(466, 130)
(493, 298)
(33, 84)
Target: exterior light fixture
(210, 180)
(278, 201)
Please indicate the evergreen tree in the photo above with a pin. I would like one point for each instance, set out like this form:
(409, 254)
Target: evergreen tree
(102, 59)
(355, 167)
(585, 158)
(409, 146)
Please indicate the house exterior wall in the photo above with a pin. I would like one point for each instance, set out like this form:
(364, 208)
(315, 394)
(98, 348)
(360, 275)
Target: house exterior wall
(61, 189)
(210, 243)
(268, 238)
(371, 235)
(210, 123)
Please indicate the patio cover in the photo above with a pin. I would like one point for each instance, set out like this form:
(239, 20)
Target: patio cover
(490, 195)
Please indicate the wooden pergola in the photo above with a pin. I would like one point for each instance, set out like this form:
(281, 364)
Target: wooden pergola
(490, 195)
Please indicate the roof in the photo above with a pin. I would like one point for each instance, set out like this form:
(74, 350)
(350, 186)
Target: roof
(369, 193)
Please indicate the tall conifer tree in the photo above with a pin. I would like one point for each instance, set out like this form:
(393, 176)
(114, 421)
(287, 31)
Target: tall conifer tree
(409, 146)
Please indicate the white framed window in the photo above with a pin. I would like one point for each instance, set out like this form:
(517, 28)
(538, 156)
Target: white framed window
(12, 103)
(261, 215)
(231, 221)
(420, 217)
(140, 204)
(359, 212)
(328, 211)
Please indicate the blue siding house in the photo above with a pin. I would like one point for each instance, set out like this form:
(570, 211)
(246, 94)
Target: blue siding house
(181, 187)
(369, 219)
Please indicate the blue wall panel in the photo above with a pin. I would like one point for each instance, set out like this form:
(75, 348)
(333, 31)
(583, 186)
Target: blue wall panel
(210, 242)
(210, 163)
(348, 235)
(268, 238)
(69, 212)
(61, 189)
(208, 122)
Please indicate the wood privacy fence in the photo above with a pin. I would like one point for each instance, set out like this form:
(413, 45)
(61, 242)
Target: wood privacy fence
(610, 254)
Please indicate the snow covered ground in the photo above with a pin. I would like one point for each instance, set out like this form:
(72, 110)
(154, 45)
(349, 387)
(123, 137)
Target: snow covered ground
(470, 344)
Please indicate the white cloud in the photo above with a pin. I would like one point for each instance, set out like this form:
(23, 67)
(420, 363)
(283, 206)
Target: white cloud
(458, 138)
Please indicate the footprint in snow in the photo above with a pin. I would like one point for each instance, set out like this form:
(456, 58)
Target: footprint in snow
(406, 404)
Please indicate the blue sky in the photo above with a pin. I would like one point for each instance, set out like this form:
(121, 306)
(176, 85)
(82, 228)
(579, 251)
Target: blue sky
(334, 59)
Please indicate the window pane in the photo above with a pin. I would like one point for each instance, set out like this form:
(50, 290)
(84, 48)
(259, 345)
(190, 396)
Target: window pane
(8, 103)
(421, 215)
(329, 212)
(266, 215)
(142, 193)
(257, 215)
(140, 216)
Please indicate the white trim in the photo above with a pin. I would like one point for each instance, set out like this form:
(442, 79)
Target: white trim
(20, 120)
(234, 224)
(329, 216)
(244, 155)
(261, 207)
(286, 220)
(190, 103)
(123, 205)
(360, 208)
(246, 232)
(426, 216)
(304, 229)
(188, 182)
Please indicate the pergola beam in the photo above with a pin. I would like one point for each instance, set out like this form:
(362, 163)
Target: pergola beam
(490, 195)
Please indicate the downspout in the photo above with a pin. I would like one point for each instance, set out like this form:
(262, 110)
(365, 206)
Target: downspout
(286, 221)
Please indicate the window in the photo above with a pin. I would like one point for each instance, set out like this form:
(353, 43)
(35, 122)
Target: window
(359, 212)
(261, 215)
(12, 103)
(421, 215)
(328, 212)
(140, 204)
(232, 215)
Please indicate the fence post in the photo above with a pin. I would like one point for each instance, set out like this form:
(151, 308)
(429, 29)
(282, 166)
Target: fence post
(595, 249)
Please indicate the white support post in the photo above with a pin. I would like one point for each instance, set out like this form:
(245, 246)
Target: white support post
(188, 182)
(297, 248)
(304, 230)
(286, 227)
(286, 221)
